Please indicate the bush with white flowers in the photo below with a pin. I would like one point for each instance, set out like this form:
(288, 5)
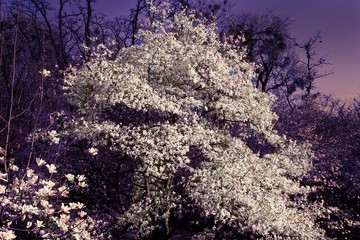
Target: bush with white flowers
(182, 104)
(34, 204)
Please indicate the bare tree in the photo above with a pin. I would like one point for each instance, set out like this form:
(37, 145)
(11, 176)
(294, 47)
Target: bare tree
(312, 63)
(26, 98)
(271, 46)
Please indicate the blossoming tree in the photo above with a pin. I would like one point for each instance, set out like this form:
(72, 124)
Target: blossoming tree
(181, 103)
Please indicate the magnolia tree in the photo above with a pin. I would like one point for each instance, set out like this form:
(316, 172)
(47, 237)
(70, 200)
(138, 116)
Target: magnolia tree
(181, 104)
(35, 204)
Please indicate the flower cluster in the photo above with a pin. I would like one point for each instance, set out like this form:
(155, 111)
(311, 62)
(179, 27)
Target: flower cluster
(34, 203)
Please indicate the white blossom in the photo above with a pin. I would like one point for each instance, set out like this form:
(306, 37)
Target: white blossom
(40, 161)
(45, 73)
(93, 151)
(53, 137)
(70, 177)
(51, 168)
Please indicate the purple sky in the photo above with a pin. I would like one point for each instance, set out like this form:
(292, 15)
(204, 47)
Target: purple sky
(338, 21)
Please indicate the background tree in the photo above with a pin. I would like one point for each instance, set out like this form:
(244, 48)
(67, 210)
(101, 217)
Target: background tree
(332, 128)
(282, 69)
(24, 54)
(38, 42)
(312, 64)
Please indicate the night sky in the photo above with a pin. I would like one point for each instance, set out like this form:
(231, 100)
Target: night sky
(338, 21)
